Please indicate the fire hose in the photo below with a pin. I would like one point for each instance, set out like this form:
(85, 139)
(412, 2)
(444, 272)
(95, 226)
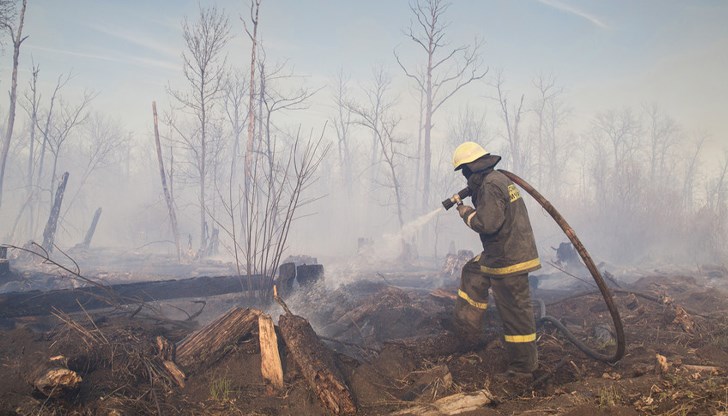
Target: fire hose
(588, 262)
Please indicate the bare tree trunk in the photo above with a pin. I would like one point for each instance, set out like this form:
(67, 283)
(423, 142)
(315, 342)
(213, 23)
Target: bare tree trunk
(342, 123)
(689, 177)
(512, 123)
(452, 69)
(163, 175)
(31, 153)
(49, 235)
(418, 170)
(254, 9)
(17, 41)
(427, 165)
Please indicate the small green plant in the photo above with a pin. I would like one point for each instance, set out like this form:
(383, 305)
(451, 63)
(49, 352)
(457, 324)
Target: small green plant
(221, 389)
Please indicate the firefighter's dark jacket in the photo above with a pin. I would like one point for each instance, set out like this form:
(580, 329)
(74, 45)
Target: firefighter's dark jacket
(501, 219)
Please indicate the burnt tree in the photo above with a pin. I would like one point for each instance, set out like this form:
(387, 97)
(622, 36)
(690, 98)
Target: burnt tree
(49, 234)
(204, 70)
(445, 71)
(91, 229)
(163, 175)
(17, 38)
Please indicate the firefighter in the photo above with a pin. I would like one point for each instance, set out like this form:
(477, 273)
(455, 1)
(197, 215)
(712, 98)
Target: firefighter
(509, 254)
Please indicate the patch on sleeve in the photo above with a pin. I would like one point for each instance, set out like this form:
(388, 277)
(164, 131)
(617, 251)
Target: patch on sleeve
(513, 192)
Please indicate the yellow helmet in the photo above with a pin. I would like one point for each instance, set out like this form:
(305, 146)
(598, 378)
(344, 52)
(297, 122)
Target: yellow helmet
(466, 153)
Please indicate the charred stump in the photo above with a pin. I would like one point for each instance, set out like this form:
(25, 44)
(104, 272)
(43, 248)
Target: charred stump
(166, 352)
(210, 343)
(317, 364)
(53, 380)
(4, 262)
(286, 277)
(308, 274)
(91, 230)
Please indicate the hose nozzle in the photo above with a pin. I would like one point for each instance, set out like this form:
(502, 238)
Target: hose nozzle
(457, 198)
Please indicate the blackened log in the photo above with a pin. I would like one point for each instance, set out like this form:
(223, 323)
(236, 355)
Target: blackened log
(49, 234)
(209, 344)
(317, 364)
(35, 303)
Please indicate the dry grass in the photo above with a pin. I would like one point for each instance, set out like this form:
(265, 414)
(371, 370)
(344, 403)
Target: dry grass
(221, 389)
(136, 376)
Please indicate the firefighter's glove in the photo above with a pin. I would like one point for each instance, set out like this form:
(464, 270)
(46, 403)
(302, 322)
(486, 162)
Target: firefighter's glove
(464, 210)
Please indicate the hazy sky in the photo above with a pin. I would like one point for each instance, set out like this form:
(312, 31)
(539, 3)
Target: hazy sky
(607, 54)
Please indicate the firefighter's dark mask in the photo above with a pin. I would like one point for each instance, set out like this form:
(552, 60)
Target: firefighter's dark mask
(466, 172)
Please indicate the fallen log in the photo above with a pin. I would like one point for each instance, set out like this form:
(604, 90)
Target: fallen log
(210, 343)
(177, 374)
(451, 405)
(35, 303)
(317, 364)
(270, 359)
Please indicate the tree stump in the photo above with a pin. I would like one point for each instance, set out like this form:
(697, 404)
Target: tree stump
(286, 277)
(308, 274)
(210, 343)
(317, 364)
(54, 381)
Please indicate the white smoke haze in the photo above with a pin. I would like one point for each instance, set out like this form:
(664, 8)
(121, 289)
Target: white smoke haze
(625, 137)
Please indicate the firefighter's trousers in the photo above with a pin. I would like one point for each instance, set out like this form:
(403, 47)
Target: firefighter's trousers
(513, 300)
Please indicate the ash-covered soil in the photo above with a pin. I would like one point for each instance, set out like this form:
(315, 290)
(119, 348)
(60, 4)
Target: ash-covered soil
(390, 339)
